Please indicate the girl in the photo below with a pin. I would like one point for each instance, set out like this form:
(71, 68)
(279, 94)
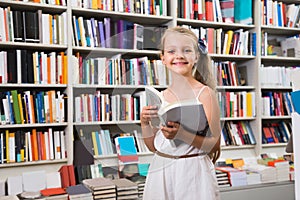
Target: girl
(186, 170)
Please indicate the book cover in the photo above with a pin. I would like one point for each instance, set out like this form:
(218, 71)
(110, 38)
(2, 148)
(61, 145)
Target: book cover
(183, 112)
(243, 11)
(295, 95)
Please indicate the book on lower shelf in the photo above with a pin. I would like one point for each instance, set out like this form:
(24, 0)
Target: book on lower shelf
(183, 112)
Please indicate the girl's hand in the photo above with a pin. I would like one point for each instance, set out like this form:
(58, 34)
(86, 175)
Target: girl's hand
(170, 131)
(147, 114)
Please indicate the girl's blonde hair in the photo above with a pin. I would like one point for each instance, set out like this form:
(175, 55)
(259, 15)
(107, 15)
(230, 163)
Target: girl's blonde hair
(202, 71)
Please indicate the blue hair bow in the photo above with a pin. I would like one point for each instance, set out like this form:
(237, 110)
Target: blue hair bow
(201, 46)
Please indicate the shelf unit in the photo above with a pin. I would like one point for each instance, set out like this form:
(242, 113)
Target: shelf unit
(71, 90)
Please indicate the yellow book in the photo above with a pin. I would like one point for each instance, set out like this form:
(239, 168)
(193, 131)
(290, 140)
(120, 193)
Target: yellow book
(51, 29)
(21, 108)
(249, 104)
(65, 69)
(7, 145)
(230, 35)
(94, 4)
(94, 140)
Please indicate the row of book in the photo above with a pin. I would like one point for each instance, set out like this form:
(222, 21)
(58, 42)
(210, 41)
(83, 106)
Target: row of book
(277, 132)
(277, 104)
(147, 7)
(228, 11)
(237, 133)
(26, 66)
(50, 2)
(32, 26)
(274, 76)
(105, 107)
(114, 33)
(228, 73)
(102, 142)
(237, 104)
(281, 14)
(32, 145)
(29, 107)
(227, 42)
(119, 71)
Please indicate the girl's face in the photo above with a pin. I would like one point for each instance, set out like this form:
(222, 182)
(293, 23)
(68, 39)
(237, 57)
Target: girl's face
(179, 54)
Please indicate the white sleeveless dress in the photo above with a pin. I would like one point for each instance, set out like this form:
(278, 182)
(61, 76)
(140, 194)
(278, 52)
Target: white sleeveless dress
(180, 179)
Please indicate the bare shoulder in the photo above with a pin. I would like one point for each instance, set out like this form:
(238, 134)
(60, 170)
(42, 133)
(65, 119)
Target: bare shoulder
(206, 94)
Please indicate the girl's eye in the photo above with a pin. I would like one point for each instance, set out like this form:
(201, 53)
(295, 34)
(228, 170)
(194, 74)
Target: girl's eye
(171, 51)
(188, 50)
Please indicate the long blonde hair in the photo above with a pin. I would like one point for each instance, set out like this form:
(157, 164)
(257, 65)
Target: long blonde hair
(202, 71)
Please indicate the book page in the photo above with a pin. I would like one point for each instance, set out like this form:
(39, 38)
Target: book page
(154, 98)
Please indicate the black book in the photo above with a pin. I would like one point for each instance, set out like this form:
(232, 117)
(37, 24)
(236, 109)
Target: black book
(30, 73)
(31, 26)
(11, 66)
(18, 26)
(24, 68)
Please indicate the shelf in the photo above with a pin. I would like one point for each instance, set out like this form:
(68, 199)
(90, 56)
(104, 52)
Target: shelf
(106, 123)
(29, 85)
(280, 30)
(228, 148)
(235, 88)
(30, 6)
(276, 117)
(31, 163)
(274, 145)
(237, 118)
(204, 23)
(137, 18)
(6, 126)
(35, 46)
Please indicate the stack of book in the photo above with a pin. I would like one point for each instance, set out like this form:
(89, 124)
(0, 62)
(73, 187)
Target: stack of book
(266, 172)
(253, 177)
(126, 189)
(102, 188)
(282, 169)
(222, 179)
(79, 192)
(237, 177)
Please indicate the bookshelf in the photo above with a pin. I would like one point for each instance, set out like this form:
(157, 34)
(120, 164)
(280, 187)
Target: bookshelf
(250, 62)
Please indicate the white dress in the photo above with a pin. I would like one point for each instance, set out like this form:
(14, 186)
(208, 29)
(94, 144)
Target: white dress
(180, 179)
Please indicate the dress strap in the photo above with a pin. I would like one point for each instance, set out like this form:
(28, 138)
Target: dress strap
(201, 91)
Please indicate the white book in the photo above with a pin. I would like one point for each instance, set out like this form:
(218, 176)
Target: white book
(12, 147)
(47, 148)
(2, 147)
(19, 66)
(6, 110)
(52, 67)
(29, 147)
(2, 26)
(108, 142)
(34, 181)
(46, 29)
(53, 180)
(51, 144)
(57, 146)
(63, 144)
(103, 142)
(14, 185)
(78, 110)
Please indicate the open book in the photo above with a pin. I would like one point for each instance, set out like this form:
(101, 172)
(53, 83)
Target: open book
(189, 113)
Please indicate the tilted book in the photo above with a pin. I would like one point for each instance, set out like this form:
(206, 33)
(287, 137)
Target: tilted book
(189, 114)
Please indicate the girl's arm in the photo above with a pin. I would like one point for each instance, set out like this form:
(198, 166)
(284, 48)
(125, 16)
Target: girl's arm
(148, 131)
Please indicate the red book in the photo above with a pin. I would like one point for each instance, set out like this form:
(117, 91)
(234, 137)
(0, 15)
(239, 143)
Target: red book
(64, 176)
(34, 145)
(209, 14)
(72, 179)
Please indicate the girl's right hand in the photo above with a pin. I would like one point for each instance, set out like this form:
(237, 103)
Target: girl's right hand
(147, 114)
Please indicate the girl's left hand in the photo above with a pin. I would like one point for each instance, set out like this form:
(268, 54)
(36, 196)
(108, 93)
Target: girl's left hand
(170, 131)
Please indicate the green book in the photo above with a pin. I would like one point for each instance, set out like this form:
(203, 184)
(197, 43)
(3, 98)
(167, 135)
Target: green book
(16, 107)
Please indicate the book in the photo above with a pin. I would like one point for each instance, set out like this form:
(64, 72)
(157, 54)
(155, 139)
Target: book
(183, 112)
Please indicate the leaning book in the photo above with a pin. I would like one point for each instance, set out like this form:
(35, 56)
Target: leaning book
(189, 114)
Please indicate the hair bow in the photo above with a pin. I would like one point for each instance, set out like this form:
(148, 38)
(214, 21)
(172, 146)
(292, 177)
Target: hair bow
(201, 46)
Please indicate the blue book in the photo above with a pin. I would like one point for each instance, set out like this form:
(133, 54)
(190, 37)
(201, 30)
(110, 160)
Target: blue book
(243, 11)
(126, 145)
(296, 100)
(98, 143)
(102, 34)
